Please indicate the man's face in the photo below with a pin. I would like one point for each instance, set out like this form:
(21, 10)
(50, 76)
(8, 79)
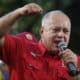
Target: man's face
(57, 29)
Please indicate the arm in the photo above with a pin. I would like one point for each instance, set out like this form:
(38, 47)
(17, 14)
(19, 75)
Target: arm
(9, 19)
(78, 65)
(70, 56)
(76, 77)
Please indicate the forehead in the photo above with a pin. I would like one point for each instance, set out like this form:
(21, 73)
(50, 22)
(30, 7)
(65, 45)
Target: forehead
(58, 20)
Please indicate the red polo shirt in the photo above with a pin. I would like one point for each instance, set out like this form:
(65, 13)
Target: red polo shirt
(30, 61)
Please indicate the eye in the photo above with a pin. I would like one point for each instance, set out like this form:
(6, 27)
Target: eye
(56, 30)
(66, 31)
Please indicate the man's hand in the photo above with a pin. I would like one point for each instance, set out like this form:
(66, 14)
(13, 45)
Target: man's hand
(69, 56)
(30, 9)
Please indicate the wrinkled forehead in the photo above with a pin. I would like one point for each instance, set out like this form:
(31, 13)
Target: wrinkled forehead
(58, 19)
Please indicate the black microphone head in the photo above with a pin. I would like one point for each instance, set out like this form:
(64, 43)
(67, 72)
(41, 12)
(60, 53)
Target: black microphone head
(62, 46)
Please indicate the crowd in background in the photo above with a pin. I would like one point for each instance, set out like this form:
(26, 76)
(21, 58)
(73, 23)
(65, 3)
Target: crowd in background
(3, 71)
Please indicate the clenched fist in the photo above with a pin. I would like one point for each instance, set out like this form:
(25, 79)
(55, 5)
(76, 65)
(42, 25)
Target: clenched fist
(30, 9)
(69, 56)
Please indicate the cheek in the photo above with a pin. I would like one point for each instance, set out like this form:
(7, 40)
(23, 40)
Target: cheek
(67, 39)
(48, 39)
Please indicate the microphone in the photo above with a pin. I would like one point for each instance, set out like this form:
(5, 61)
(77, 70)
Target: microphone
(71, 67)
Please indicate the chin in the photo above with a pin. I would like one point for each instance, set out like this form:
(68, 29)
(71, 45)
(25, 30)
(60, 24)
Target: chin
(55, 49)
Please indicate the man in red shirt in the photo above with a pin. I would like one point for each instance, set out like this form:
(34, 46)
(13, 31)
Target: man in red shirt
(43, 60)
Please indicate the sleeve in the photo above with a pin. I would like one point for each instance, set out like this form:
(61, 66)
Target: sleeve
(78, 61)
(10, 50)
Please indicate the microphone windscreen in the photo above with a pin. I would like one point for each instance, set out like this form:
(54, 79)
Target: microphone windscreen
(62, 46)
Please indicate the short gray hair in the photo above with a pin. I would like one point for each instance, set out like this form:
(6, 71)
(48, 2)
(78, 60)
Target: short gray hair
(45, 17)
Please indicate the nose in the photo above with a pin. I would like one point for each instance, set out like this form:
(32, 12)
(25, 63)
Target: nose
(60, 34)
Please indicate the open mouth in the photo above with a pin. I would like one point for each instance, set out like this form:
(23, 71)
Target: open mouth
(56, 42)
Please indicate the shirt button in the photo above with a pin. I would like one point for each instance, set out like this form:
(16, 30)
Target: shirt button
(33, 54)
(30, 65)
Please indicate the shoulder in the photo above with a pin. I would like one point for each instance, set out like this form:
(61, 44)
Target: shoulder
(23, 40)
(12, 43)
(24, 37)
(27, 36)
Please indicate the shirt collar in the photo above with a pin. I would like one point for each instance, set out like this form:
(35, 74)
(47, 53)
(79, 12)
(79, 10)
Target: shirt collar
(43, 49)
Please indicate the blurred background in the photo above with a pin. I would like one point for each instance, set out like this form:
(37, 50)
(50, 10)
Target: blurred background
(32, 24)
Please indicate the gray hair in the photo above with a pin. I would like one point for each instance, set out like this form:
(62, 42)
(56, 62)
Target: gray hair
(45, 17)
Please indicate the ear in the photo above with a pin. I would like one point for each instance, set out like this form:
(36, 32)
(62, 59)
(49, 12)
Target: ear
(41, 30)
